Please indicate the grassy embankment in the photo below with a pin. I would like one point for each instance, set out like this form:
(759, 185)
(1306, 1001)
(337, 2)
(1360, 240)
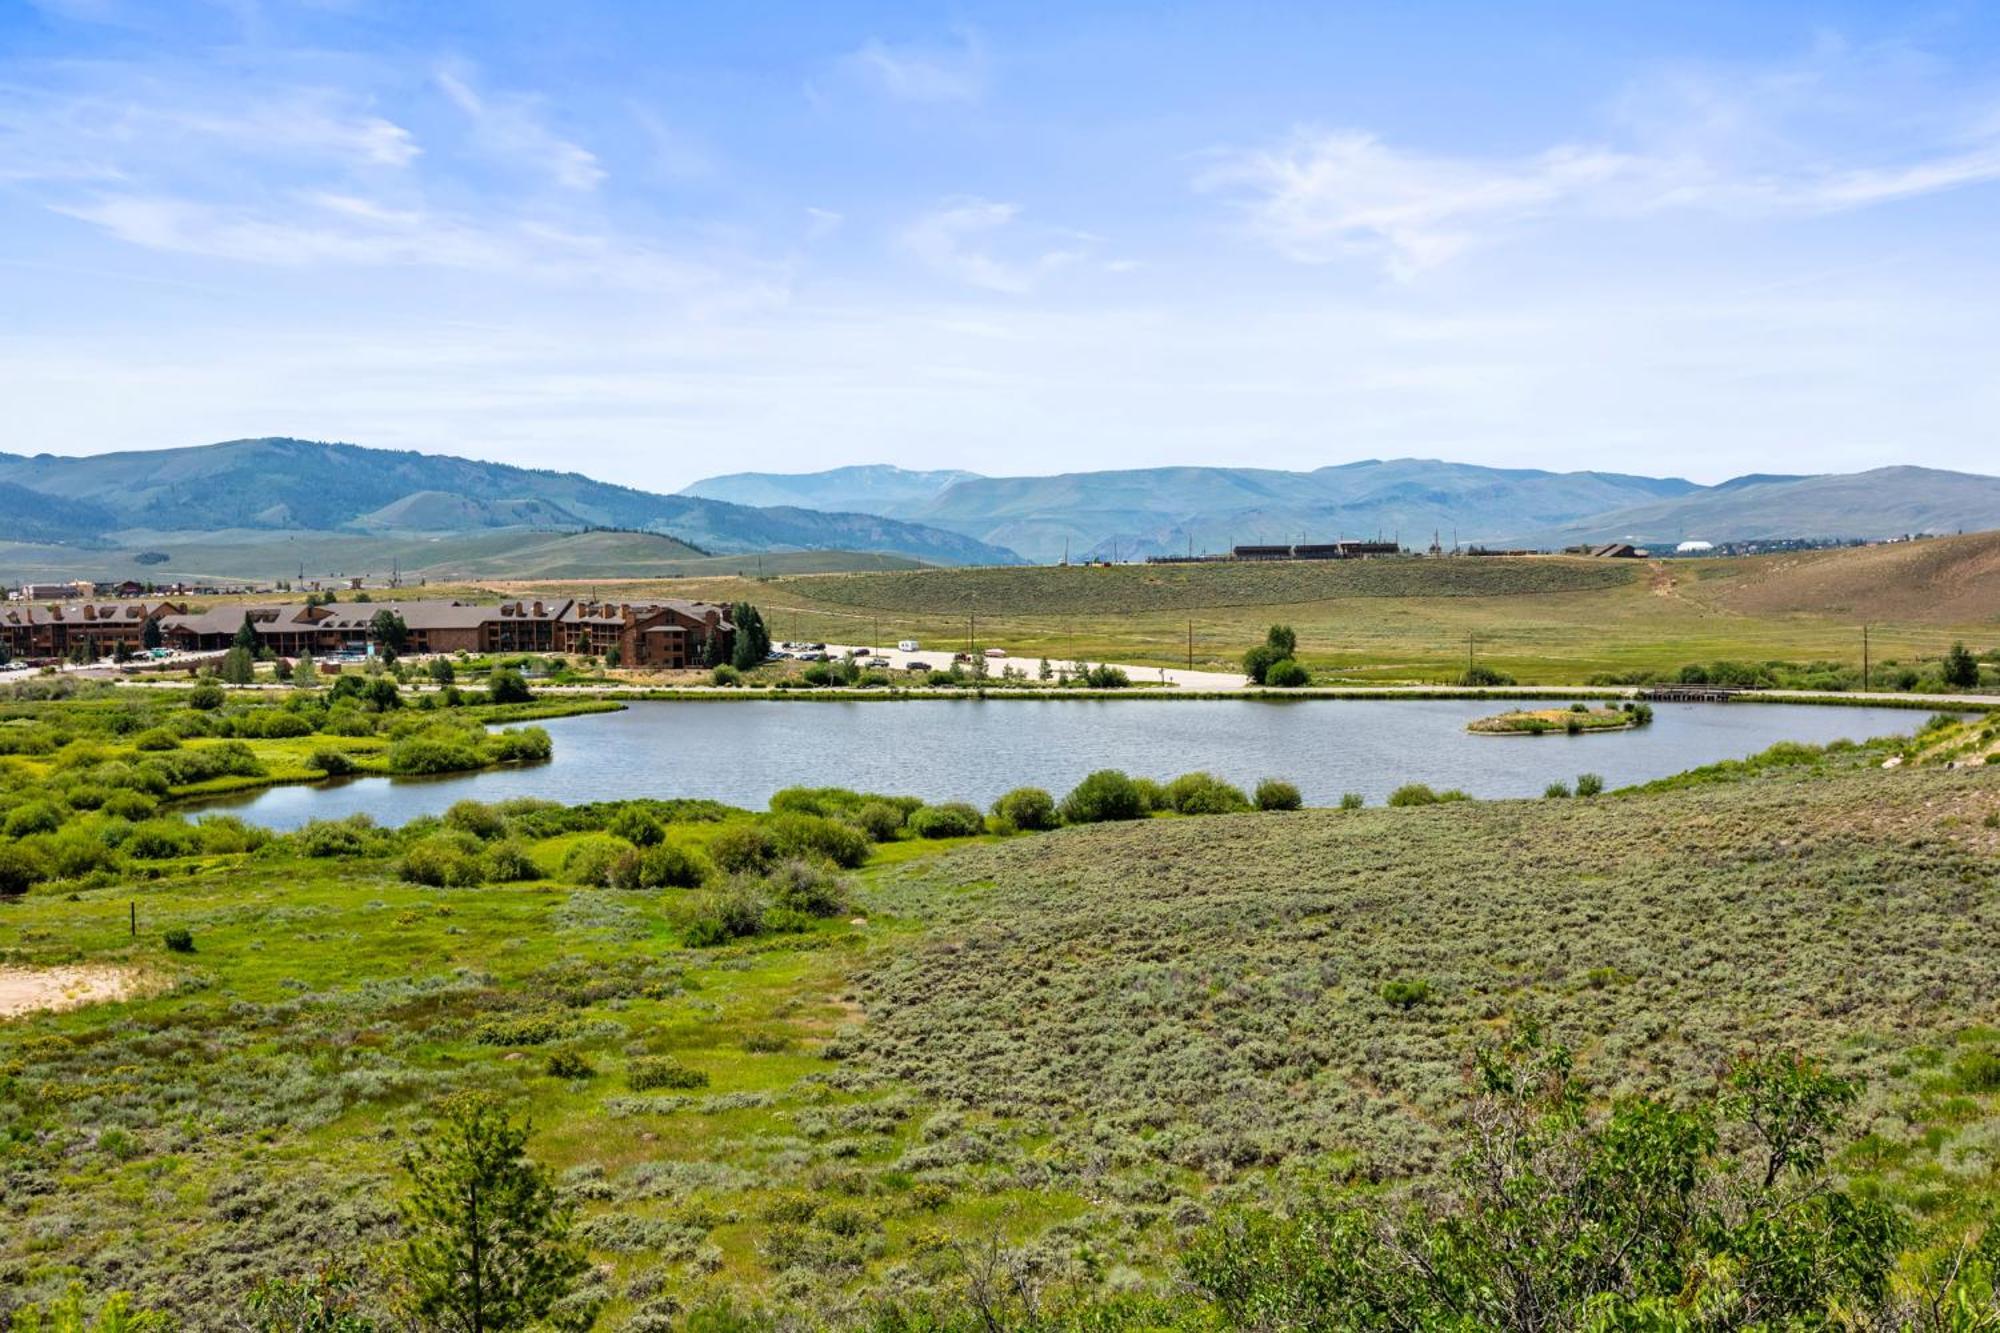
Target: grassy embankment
(1542, 619)
(1572, 721)
(1081, 1043)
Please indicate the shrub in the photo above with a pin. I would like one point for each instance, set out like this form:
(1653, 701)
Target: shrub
(524, 745)
(801, 886)
(637, 827)
(1152, 795)
(1106, 677)
(1277, 794)
(222, 835)
(506, 686)
(1413, 793)
(725, 675)
(1556, 791)
(568, 1064)
(1589, 784)
(1351, 800)
(1204, 794)
(161, 840)
(940, 678)
(659, 867)
(179, 940)
(741, 849)
(353, 836)
(436, 751)
(662, 1071)
(34, 817)
(953, 819)
(1401, 994)
(132, 805)
(1286, 674)
(879, 820)
(156, 738)
(475, 817)
(819, 673)
(1105, 795)
(206, 697)
(1025, 809)
(813, 835)
(444, 860)
(589, 860)
(717, 918)
(508, 862)
(1484, 675)
(21, 868)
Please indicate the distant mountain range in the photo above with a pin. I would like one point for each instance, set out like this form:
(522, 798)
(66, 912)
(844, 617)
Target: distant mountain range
(285, 485)
(1167, 511)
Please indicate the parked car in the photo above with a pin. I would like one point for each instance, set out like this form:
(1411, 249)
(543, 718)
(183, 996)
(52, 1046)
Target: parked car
(961, 657)
(877, 663)
(908, 646)
(916, 666)
(996, 652)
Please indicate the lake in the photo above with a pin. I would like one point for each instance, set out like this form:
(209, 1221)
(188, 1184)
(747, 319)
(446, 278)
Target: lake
(973, 750)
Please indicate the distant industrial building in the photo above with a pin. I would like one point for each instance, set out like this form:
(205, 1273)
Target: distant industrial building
(55, 592)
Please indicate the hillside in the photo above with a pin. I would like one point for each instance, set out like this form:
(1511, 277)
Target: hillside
(869, 489)
(1940, 581)
(1885, 502)
(1162, 511)
(301, 486)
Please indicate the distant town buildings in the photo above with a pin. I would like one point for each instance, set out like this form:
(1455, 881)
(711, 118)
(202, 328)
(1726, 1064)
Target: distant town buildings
(664, 634)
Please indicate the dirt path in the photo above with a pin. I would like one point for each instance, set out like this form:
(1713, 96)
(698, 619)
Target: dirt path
(26, 989)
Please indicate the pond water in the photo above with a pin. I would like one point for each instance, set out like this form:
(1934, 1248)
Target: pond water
(973, 750)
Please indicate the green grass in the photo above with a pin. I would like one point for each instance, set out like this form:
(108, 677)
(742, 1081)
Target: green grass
(1084, 1042)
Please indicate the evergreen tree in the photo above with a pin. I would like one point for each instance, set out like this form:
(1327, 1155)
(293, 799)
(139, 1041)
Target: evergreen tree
(238, 666)
(489, 1245)
(305, 672)
(753, 637)
(1961, 668)
(151, 636)
(387, 629)
(246, 636)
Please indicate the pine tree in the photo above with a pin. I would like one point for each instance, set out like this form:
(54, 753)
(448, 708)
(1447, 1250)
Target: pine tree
(305, 673)
(489, 1245)
(151, 637)
(246, 636)
(238, 666)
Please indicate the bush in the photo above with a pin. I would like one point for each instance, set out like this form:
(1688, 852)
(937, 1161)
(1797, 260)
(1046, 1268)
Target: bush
(1286, 674)
(1400, 994)
(662, 1071)
(206, 697)
(879, 820)
(1413, 793)
(725, 675)
(1976, 1071)
(508, 862)
(525, 745)
(953, 819)
(444, 860)
(1204, 794)
(742, 849)
(1556, 791)
(1351, 800)
(1025, 809)
(353, 836)
(568, 1064)
(156, 738)
(1152, 795)
(1589, 784)
(1105, 795)
(161, 840)
(436, 751)
(507, 686)
(1276, 794)
(179, 940)
(801, 886)
(132, 805)
(477, 818)
(1106, 677)
(718, 918)
(21, 868)
(34, 817)
(637, 827)
(659, 867)
(813, 835)
(589, 860)
(1484, 675)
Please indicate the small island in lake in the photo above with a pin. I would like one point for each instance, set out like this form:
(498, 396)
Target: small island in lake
(1573, 720)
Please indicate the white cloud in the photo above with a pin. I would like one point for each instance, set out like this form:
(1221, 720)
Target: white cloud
(957, 240)
(1769, 144)
(822, 222)
(510, 127)
(923, 74)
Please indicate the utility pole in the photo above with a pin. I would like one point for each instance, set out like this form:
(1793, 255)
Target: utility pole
(1864, 657)
(1468, 652)
(1190, 645)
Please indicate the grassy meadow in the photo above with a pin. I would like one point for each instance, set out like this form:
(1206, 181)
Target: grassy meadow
(854, 1052)
(1541, 619)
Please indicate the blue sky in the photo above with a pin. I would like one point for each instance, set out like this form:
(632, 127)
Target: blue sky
(656, 241)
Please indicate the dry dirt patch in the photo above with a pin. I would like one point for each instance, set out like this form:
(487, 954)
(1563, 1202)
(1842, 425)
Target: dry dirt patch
(24, 990)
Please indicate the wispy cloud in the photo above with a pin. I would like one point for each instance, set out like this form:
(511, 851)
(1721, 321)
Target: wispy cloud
(959, 239)
(1761, 147)
(913, 73)
(510, 127)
